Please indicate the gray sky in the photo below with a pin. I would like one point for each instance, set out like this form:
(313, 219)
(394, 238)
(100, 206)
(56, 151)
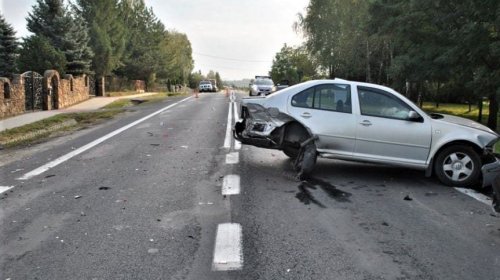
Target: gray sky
(238, 38)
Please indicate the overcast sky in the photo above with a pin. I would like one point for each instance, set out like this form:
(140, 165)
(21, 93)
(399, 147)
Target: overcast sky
(238, 38)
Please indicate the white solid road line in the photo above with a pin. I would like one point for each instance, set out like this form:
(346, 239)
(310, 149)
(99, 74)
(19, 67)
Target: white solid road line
(228, 253)
(477, 196)
(229, 129)
(92, 144)
(237, 144)
(231, 185)
(4, 189)
(233, 158)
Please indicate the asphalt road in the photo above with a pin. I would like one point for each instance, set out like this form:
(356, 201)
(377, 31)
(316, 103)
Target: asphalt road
(171, 198)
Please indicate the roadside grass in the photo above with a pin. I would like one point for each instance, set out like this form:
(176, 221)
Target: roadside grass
(460, 110)
(43, 129)
(121, 103)
(120, 93)
(127, 102)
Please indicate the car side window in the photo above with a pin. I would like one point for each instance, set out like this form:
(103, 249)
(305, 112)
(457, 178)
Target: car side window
(304, 99)
(378, 103)
(333, 97)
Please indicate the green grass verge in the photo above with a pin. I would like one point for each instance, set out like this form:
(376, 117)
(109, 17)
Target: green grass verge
(121, 103)
(460, 110)
(126, 102)
(41, 130)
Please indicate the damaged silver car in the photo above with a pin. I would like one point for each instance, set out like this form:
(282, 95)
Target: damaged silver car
(355, 121)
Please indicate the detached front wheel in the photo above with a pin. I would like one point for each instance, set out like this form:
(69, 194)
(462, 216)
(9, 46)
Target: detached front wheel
(458, 166)
(305, 161)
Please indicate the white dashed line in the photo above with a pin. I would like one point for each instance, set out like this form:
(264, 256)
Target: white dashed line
(233, 158)
(4, 189)
(92, 144)
(477, 196)
(231, 185)
(228, 253)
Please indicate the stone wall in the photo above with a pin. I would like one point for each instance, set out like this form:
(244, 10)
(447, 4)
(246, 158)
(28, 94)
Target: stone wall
(57, 93)
(70, 90)
(11, 96)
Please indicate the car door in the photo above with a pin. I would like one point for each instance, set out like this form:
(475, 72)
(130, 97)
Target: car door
(385, 133)
(326, 110)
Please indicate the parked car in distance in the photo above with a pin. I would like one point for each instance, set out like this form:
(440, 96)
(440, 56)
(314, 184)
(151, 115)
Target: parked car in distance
(356, 121)
(262, 86)
(205, 86)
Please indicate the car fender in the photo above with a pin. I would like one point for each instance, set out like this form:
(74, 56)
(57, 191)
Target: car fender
(443, 135)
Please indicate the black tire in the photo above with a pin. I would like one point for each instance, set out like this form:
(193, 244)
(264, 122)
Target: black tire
(305, 161)
(458, 166)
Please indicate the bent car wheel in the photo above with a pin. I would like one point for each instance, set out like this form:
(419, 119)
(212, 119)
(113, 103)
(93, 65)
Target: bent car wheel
(305, 161)
(458, 166)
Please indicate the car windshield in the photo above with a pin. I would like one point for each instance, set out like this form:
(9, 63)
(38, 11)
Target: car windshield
(264, 82)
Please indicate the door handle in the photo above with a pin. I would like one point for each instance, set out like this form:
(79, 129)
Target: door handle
(306, 115)
(365, 123)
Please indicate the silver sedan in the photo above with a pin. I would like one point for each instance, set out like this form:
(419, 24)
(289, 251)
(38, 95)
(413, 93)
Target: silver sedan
(355, 121)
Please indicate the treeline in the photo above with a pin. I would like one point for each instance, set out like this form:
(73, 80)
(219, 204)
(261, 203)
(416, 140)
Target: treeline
(196, 77)
(101, 37)
(437, 50)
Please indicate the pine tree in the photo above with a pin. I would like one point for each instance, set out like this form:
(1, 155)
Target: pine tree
(37, 54)
(8, 49)
(76, 47)
(66, 32)
(106, 31)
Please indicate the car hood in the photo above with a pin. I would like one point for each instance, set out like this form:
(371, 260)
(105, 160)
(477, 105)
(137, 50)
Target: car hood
(463, 122)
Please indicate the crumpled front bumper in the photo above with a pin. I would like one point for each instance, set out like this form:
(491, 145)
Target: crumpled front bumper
(257, 138)
(490, 171)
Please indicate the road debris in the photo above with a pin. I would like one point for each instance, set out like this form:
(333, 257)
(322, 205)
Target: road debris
(78, 196)
(408, 198)
(104, 188)
(153, 251)
(49, 176)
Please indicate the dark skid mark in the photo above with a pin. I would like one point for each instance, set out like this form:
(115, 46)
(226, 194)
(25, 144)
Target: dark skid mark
(305, 196)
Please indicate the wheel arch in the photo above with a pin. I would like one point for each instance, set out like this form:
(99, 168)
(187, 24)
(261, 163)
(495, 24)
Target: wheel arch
(430, 168)
(295, 131)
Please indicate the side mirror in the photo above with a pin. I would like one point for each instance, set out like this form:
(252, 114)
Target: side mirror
(414, 116)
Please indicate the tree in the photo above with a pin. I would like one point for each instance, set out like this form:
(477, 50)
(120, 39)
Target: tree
(195, 78)
(37, 54)
(176, 56)
(336, 33)
(293, 65)
(76, 47)
(107, 33)
(144, 35)
(8, 49)
(65, 31)
(218, 80)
